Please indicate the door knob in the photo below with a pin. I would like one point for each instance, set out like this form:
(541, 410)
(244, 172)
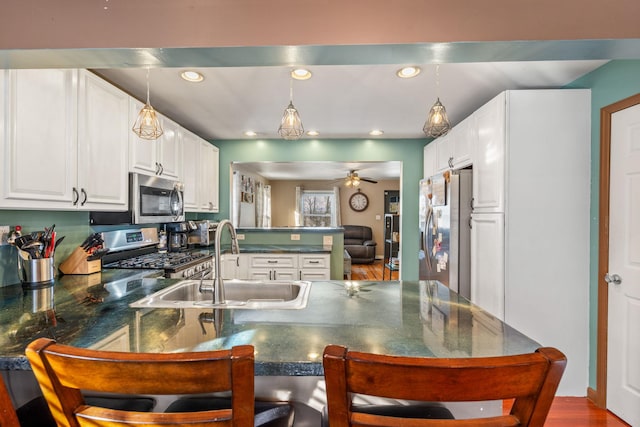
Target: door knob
(613, 278)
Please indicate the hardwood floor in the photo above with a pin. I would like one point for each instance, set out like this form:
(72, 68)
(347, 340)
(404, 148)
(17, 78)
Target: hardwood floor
(565, 411)
(578, 412)
(371, 272)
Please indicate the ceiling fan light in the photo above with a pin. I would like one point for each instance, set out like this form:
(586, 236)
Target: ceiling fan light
(291, 125)
(147, 125)
(437, 123)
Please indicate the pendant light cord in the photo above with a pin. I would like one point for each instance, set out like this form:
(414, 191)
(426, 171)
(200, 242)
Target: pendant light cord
(148, 103)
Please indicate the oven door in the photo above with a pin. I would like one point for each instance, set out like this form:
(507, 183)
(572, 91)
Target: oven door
(156, 200)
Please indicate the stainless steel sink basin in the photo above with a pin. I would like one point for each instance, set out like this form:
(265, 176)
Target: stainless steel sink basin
(240, 294)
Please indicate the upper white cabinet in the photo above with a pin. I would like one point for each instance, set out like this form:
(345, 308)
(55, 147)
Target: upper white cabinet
(429, 160)
(488, 158)
(450, 151)
(103, 126)
(156, 157)
(209, 180)
(66, 141)
(39, 166)
(200, 174)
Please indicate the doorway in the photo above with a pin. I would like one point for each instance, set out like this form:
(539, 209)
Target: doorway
(619, 137)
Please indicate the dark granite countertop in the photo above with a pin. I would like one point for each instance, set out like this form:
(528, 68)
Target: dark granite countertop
(269, 249)
(402, 318)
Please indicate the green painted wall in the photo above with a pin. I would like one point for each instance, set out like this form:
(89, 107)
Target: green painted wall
(408, 151)
(610, 83)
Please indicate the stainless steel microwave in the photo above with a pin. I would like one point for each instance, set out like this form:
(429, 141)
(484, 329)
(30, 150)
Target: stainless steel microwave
(152, 200)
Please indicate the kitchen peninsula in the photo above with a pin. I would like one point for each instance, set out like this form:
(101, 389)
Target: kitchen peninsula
(402, 318)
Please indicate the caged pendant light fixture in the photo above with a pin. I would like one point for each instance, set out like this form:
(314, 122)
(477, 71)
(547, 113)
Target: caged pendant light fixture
(437, 123)
(147, 125)
(291, 126)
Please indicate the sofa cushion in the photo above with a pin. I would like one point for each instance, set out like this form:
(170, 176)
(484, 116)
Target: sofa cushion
(359, 243)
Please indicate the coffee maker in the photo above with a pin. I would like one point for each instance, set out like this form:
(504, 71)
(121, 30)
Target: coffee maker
(177, 235)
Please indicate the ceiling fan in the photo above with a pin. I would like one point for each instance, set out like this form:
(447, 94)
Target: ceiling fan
(353, 179)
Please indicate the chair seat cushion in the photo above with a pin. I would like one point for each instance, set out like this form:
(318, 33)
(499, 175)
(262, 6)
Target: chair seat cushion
(36, 413)
(432, 411)
(267, 414)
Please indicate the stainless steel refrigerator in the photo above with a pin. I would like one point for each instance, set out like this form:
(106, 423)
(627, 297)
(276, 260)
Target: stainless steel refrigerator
(445, 233)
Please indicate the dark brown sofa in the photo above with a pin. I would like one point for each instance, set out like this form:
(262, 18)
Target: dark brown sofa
(358, 242)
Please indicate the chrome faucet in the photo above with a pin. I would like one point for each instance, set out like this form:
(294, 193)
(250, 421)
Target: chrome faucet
(218, 284)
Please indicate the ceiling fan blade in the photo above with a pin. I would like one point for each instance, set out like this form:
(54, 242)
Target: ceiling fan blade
(373, 181)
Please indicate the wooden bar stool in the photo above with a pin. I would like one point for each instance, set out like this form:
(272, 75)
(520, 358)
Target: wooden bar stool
(531, 379)
(63, 372)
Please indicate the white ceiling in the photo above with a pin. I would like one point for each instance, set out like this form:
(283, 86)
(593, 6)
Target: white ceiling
(339, 101)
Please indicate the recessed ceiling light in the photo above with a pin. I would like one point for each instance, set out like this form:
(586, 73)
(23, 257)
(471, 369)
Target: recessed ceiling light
(192, 76)
(250, 133)
(313, 133)
(408, 72)
(376, 132)
(301, 74)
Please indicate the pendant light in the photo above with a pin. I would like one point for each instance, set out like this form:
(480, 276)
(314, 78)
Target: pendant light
(437, 123)
(291, 126)
(147, 125)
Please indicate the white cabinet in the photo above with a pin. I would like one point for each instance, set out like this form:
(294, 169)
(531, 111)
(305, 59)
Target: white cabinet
(200, 173)
(103, 127)
(273, 267)
(530, 224)
(208, 190)
(311, 266)
(314, 266)
(488, 159)
(39, 166)
(429, 160)
(487, 262)
(450, 151)
(235, 266)
(156, 157)
(60, 156)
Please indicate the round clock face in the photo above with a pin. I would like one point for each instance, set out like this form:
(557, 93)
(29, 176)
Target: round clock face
(359, 202)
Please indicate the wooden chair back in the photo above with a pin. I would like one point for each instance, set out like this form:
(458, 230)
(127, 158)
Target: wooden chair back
(63, 372)
(530, 379)
(8, 416)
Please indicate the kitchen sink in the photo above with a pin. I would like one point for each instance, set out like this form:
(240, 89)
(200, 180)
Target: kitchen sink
(240, 294)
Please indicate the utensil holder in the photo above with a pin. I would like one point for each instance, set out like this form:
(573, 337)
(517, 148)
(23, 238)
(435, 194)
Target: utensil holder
(35, 271)
(77, 263)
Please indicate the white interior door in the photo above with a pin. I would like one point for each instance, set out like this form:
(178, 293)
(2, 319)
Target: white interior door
(623, 368)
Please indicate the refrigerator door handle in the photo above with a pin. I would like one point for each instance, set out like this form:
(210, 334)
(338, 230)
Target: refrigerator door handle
(426, 239)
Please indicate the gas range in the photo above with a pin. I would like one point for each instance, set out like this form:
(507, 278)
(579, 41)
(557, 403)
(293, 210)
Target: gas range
(137, 249)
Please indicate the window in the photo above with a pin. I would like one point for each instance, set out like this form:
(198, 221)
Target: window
(318, 209)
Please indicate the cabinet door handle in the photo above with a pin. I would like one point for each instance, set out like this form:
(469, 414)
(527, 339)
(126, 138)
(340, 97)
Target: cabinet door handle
(84, 199)
(472, 200)
(314, 262)
(272, 261)
(161, 169)
(77, 196)
(238, 262)
(451, 162)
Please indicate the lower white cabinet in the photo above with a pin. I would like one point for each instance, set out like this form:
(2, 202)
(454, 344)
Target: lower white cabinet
(265, 266)
(487, 262)
(273, 266)
(314, 267)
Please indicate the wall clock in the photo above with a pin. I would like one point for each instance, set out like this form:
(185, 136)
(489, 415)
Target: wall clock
(358, 201)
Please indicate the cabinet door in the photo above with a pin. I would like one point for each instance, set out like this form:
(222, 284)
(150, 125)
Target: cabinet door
(314, 266)
(464, 139)
(487, 262)
(429, 164)
(39, 158)
(443, 152)
(209, 183)
(191, 170)
(143, 153)
(103, 129)
(489, 157)
(170, 158)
